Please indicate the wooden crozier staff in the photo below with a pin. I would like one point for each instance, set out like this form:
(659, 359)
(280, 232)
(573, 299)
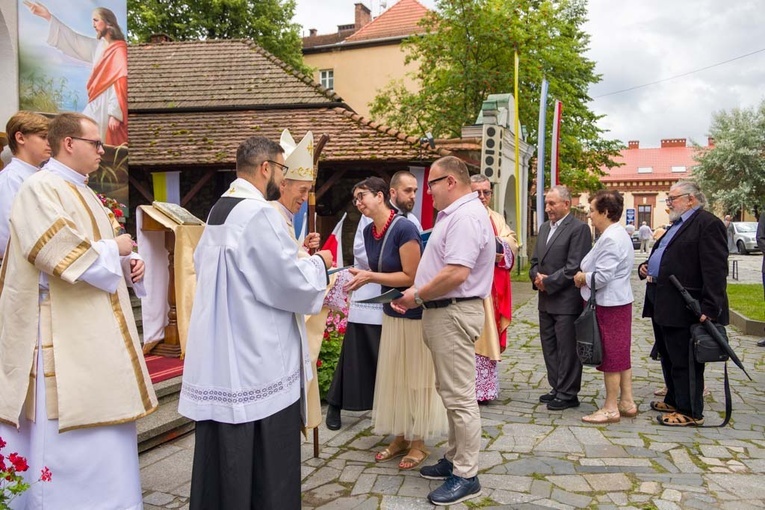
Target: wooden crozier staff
(312, 228)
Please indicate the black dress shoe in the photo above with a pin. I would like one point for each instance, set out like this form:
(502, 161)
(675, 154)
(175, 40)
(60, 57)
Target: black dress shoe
(333, 418)
(761, 343)
(547, 397)
(557, 404)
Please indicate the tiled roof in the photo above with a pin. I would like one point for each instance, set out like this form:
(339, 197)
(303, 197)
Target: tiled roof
(215, 73)
(322, 40)
(660, 160)
(400, 20)
(176, 139)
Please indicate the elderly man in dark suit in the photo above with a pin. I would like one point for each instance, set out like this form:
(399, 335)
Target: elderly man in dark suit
(562, 244)
(695, 250)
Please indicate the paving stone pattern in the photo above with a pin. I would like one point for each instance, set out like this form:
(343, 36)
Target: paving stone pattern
(535, 458)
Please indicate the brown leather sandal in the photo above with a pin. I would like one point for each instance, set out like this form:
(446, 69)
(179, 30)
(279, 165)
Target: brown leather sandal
(658, 405)
(679, 420)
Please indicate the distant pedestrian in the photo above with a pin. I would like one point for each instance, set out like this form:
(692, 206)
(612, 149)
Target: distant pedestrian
(761, 246)
(730, 231)
(645, 234)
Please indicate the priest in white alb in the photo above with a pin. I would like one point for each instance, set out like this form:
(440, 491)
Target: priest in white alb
(73, 380)
(247, 364)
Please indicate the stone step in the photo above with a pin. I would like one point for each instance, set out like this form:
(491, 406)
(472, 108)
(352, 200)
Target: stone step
(164, 424)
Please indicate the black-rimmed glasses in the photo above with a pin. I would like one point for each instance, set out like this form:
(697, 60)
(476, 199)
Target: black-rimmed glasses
(358, 198)
(98, 144)
(284, 168)
(669, 199)
(431, 183)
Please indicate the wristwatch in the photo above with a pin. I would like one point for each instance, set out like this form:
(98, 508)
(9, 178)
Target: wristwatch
(417, 299)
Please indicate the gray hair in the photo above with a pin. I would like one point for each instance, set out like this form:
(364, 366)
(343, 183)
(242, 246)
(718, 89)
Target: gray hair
(254, 151)
(692, 188)
(478, 178)
(563, 192)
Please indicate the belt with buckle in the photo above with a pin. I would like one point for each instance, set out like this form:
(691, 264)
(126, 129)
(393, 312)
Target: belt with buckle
(651, 279)
(442, 303)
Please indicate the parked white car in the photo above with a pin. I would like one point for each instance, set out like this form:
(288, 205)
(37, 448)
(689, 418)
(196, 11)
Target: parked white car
(745, 236)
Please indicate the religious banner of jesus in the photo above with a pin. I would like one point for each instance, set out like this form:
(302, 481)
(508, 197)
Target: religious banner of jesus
(73, 57)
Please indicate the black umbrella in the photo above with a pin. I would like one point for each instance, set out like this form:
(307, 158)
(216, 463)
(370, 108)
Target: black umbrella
(693, 306)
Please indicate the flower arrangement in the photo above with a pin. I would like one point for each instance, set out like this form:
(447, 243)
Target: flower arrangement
(329, 355)
(115, 207)
(12, 484)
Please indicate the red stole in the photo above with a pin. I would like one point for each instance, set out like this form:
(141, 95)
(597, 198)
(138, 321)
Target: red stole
(111, 69)
(501, 295)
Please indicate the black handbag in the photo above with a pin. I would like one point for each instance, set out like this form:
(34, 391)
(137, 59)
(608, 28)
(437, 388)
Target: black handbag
(589, 348)
(705, 349)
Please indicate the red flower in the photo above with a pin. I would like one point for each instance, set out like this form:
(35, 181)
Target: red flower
(326, 335)
(19, 462)
(319, 363)
(45, 474)
(2, 443)
(2, 463)
(341, 329)
(118, 213)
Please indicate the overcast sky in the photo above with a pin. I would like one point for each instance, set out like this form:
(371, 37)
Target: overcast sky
(635, 42)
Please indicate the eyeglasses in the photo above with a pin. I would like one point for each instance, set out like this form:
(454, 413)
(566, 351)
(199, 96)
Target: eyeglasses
(284, 168)
(669, 200)
(431, 183)
(98, 144)
(358, 198)
(484, 192)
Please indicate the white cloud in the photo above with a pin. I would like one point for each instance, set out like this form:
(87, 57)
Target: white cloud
(640, 41)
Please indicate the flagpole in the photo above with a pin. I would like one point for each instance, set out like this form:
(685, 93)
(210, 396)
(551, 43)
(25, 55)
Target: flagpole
(541, 154)
(517, 130)
(312, 194)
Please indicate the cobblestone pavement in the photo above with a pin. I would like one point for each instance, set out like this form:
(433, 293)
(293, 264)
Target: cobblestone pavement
(535, 458)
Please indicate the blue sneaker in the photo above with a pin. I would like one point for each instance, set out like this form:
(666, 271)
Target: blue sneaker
(439, 471)
(455, 490)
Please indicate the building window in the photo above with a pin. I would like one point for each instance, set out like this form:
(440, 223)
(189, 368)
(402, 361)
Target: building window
(678, 169)
(644, 214)
(327, 78)
(645, 169)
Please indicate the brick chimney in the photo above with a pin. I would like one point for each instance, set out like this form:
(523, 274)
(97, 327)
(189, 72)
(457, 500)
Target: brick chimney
(672, 142)
(633, 144)
(710, 141)
(363, 15)
(312, 32)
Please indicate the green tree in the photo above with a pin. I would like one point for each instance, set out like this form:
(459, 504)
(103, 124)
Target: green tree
(732, 171)
(267, 22)
(467, 53)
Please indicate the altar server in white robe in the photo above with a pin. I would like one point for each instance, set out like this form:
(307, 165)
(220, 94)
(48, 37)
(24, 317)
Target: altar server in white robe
(28, 140)
(247, 362)
(73, 379)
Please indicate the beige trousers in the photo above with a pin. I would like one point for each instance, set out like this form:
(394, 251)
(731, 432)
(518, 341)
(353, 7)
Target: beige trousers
(450, 334)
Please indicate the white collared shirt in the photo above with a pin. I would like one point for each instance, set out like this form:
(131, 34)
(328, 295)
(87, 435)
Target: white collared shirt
(554, 227)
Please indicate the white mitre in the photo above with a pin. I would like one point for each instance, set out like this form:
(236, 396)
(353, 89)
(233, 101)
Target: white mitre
(298, 157)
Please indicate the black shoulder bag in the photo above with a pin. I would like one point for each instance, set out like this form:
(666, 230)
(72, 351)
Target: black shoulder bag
(589, 348)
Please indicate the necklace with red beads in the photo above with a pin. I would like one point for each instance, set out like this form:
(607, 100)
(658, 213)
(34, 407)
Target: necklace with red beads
(385, 228)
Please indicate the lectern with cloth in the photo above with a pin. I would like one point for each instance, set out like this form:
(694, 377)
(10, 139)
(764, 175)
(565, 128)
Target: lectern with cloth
(167, 237)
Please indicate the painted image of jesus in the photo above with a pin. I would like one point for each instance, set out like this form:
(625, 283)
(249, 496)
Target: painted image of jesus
(107, 52)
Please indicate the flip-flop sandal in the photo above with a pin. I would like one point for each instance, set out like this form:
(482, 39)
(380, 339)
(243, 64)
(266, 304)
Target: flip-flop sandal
(661, 392)
(679, 420)
(413, 462)
(390, 454)
(658, 405)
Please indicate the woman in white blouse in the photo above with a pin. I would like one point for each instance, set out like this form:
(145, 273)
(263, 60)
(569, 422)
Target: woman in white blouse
(611, 260)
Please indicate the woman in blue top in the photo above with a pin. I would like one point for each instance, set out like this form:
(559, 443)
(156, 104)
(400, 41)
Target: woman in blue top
(406, 404)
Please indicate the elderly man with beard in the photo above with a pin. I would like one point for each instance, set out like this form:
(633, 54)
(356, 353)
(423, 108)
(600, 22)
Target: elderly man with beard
(695, 250)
